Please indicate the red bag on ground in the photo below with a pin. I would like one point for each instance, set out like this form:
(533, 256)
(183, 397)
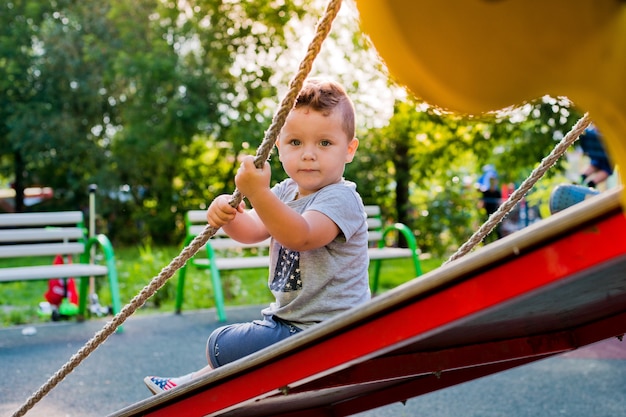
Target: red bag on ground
(57, 288)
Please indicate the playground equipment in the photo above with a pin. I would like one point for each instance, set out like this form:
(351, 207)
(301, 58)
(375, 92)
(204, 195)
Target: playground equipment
(553, 287)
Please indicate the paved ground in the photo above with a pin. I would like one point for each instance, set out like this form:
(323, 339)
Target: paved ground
(590, 382)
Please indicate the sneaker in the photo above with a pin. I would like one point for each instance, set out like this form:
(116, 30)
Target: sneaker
(157, 384)
(567, 195)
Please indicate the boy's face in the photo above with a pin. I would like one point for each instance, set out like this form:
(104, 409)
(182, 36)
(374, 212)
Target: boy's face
(314, 149)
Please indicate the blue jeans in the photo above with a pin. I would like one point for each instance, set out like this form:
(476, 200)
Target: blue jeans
(229, 343)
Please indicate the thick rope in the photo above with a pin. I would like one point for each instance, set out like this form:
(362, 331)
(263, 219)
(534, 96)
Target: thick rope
(518, 194)
(322, 30)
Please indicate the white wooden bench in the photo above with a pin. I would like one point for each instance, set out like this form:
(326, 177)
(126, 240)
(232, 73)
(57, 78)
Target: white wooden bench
(224, 253)
(30, 239)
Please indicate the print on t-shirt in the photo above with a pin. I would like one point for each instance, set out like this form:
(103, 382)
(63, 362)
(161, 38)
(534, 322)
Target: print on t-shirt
(287, 272)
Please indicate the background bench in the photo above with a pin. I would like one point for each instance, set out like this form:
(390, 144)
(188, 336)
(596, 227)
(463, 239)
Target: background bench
(41, 236)
(224, 253)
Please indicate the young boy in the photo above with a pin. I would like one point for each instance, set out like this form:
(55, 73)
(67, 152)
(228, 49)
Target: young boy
(317, 223)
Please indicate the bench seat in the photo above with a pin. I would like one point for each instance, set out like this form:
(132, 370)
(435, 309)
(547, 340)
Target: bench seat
(248, 262)
(389, 253)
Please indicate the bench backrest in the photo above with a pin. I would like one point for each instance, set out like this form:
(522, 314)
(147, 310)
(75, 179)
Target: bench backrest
(374, 224)
(195, 222)
(41, 234)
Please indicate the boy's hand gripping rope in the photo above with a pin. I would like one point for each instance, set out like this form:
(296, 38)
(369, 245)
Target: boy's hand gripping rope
(262, 155)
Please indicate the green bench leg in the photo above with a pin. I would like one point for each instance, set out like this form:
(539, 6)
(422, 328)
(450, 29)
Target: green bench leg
(215, 281)
(218, 293)
(82, 297)
(411, 243)
(377, 265)
(114, 288)
(180, 288)
(416, 264)
(217, 285)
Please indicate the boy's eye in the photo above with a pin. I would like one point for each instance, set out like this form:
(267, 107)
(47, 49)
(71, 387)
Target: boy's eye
(295, 142)
(325, 142)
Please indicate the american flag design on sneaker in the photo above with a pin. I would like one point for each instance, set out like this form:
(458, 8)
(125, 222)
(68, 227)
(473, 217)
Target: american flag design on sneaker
(163, 383)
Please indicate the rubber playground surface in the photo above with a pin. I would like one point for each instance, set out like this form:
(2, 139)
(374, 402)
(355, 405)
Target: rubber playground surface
(587, 382)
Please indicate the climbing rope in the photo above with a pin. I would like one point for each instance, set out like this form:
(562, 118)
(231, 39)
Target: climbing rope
(262, 154)
(518, 194)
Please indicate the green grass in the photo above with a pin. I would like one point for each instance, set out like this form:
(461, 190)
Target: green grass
(137, 266)
(398, 271)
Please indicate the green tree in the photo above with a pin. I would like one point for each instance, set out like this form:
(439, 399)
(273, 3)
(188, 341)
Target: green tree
(193, 89)
(19, 22)
(427, 161)
(53, 96)
(126, 92)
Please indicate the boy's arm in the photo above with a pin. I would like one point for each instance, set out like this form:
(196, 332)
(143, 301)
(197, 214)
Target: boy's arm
(301, 232)
(247, 228)
(243, 226)
(310, 230)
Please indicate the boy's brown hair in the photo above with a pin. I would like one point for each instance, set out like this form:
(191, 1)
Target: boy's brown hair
(326, 96)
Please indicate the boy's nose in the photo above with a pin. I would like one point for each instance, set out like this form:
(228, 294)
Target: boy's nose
(308, 153)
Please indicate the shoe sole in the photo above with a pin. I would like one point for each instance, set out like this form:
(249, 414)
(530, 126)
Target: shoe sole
(151, 386)
(567, 195)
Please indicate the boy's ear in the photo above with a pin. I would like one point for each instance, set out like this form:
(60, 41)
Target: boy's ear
(277, 148)
(352, 147)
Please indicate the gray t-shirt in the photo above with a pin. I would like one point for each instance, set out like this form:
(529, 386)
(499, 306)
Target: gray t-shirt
(314, 285)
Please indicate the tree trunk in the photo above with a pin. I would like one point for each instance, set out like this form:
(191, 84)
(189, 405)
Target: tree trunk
(19, 182)
(402, 165)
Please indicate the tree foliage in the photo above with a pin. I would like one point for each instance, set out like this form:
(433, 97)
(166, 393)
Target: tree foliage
(154, 101)
(428, 161)
(129, 94)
